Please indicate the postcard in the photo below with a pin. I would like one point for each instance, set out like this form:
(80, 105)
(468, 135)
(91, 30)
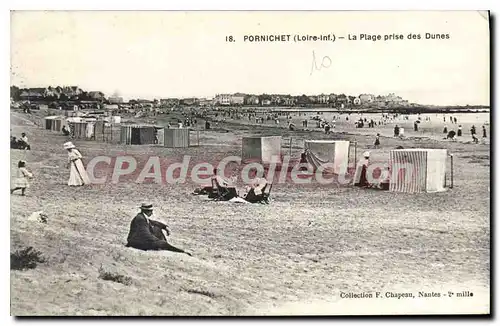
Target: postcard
(250, 163)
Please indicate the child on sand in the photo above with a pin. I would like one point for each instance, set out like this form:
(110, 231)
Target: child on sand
(21, 182)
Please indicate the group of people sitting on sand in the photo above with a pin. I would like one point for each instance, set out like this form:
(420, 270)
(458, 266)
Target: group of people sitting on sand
(21, 143)
(224, 189)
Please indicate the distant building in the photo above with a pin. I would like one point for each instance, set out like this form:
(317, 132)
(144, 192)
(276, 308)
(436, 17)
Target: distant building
(189, 101)
(276, 100)
(252, 100)
(223, 99)
(322, 99)
(115, 100)
(288, 101)
(95, 95)
(33, 93)
(266, 102)
(380, 101)
(237, 99)
(229, 99)
(53, 91)
(366, 98)
(393, 99)
(72, 91)
(143, 101)
(170, 102)
(313, 99)
(205, 102)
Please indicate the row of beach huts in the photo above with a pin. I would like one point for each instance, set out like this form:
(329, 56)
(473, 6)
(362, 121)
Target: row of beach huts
(91, 128)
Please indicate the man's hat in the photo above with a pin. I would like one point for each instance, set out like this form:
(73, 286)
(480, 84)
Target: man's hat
(147, 207)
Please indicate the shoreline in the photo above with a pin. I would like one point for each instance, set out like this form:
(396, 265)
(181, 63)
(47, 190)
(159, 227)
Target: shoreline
(368, 133)
(399, 110)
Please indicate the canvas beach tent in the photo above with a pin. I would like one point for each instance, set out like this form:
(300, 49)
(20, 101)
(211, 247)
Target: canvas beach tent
(418, 170)
(335, 153)
(261, 149)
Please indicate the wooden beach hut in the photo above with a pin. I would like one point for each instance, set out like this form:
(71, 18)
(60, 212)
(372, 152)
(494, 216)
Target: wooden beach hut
(83, 129)
(176, 137)
(50, 124)
(138, 134)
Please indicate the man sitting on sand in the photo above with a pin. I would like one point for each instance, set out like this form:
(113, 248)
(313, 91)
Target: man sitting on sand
(147, 234)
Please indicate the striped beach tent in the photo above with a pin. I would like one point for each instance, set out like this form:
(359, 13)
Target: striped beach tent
(418, 170)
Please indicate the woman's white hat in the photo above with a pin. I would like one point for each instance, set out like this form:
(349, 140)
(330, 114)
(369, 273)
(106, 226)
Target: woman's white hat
(68, 145)
(366, 154)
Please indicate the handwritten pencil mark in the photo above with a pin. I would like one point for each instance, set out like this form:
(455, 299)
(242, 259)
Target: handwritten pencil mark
(326, 62)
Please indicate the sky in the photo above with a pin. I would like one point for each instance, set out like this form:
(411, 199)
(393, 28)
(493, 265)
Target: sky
(146, 54)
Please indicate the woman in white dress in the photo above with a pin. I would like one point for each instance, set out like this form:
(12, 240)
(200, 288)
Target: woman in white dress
(78, 176)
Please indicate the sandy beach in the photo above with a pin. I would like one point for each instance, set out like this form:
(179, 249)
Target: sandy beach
(305, 248)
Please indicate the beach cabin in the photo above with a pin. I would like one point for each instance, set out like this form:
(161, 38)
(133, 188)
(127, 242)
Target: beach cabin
(138, 134)
(418, 170)
(261, 149)
(333, 155)
(83, 129)
(176, 137)
(53, 123)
